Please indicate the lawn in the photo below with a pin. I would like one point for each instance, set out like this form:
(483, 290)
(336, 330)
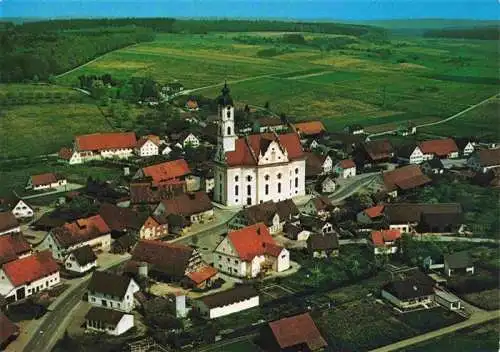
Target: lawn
(483, 338)
(240, 346)
(488, 299)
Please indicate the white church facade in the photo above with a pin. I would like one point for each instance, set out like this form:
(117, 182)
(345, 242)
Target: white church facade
(257, 168)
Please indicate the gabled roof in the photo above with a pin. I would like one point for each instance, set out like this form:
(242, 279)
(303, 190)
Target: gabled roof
(80, 231)
(145, 193)
(144, 140)
(379, 238)
(489, 157)
(347, 164)
(309, 128)
(410, 288)
(107, 316)
(462, 142)
(252, 241)
(65, 153)
(407, 150)
(187, 204)
(121, 219)
(375, 211)
(247, 149)
(270, 121)
(167, 171)
(439, 147)
(264, 212)
(399, 213)
(192, 104)
(45, 179)
(224, 298)
(12, 246)
(7, 329)
(314, 164)
(379, 149)
(323, 242)
(406, 177)
(202, 274)
(459, 260)
(105, 141)
(7, 221)
(322, 203)
(109, 283)
(164, 257)
(31, 268)
(435, 163)
(84, 255)
(296, 330)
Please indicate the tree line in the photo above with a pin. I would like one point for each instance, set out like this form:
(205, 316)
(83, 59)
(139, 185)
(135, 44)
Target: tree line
(483, 33)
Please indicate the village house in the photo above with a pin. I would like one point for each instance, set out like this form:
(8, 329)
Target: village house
(345, 168)
(109, 321)
(410, 154)
(371, 216)
(484, 160)
(317, 164)
(143, 194)
(439, 148)
(354, 129)
(385, 241)
(295, 232)
(8, 333)
(8, 223)
(458, 263)
(81, 260)
(296, 333)
(105, 145)
(376, 151)
(342, 143)
(28, 275)
(194, 207)
(112, 291)
(21, 209)
(403, 179)
(192, 105)
(250, 251)
(92, 231)
(148, 146)
(120, 220)
(410, 293)
(46, 181)
(257, 168)
(13, 246)
(184, 140)
(165, 173)
(466, 146)
(432, 167)
(165, 150)
(323, 245)
(314, 225)
(220, 304)
(273, 215)
(207, 179)
(155, 226)
(320, 206)
(69, 156)
(326, 184)
(269, 124)
(309, 129)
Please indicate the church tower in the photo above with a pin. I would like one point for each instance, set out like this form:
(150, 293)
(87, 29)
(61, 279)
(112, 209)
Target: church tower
(226, 135)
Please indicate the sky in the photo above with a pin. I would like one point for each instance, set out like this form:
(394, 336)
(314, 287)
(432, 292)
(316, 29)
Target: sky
(282, 9)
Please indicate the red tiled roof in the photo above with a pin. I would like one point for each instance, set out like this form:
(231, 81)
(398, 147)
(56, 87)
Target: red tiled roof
(299, 329)
(29, 269)
(188, 204)
(192, 104)
(489, 157)
(347, 164)
(105, 141)
(247, 149)
(166, 171)
(310, 127)
(380, 237)
(44, 179)
(81, 230)
(252, 241)
(439, 147)
(375, 211)
(7, 329)
(379, 149)
(405, 177)
(65, 153)
(202, 274)
(11, 246)
(7, 221)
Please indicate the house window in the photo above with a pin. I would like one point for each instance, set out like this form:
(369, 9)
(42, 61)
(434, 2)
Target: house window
(279, 187)
(236, 178)
(220, 257)
(296, 170)
(229, 113)
(249, 178)
(229, 130)
(249, 190)
(235, 190)
(266, 190)
(266, 177)
(279, 176)
(296, 182)
(236, 261)
(249, 201)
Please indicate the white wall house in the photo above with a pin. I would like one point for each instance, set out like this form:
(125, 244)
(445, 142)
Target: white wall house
(191, 140)
(385, 241)
(8, 223)
(81, 260)
(45, 181)
(417, 157)
(227, 302)
(345, 168)
(406, 303)
(147, 148)
(26, 276)
(99, 146)
(327, 165)
(153, 227)
(23, 210)
(109, 321)
(112, 291)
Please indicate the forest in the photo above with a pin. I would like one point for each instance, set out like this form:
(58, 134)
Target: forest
(483, 33)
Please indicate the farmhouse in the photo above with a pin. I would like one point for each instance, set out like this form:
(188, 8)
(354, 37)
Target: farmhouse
(145, 194)
(458, 262)
(410, 154)
(148, 146)
(184, 139)
(296, 333)
(403, 179)
(273, 215)
(92, 231)
(220, 304)
(409, 293)
(269, 124)
(326, 184)
(26, 276)
(318, 164)
(295, 232)
(8, 223)
(484, 160)
(323, 245)
(45, 181)
(319, 206)
(432, 167)
(315, 225)
(371, 215)
(256, 168)
(121, 220)
(81, 260)
(439, 148)
(22, 210)
(155, 226)
(250, 251)
(465, 146)
(309, 129)
(194, 207)
(13, 246)
(164, 174)
(385, 241)
(105, 145)
(345, 168)
(113, 291)
(8, 333)
(376, 151)
(69, 156)
(109, 321)
(192, 105)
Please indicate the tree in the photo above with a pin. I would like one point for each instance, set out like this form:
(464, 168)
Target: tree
(160, 312)
(267, 105)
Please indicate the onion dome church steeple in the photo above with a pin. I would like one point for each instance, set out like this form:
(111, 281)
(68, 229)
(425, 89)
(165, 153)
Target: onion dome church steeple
(225, 98)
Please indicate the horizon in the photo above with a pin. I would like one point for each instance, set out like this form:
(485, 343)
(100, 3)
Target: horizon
(301, 10)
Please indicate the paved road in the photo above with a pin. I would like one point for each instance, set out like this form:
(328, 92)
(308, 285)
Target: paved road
(441, 121)
(475, 319)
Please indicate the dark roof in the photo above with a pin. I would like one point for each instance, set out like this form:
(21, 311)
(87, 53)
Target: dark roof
(269, 121)
(311, 223)
(7, 329)
(297, 330)
(224, 298)
(489, 157)
(145, 193)
(164, 257)
(462, 142)
(121, 219)
(109, 283)
(84, 255)
(291, 230)
(225, 98)
(406, 177)
(405, 151)
(265, 212)
(107, 316)
(187, 204)
(379, 149)
(323, 242)
(399, 213)
(458, 260)
(409, 288)
(55, 219)
(450, 221)
(322, 203)
(12, 245)
(435, 163)
(7, 221)
(314, 164)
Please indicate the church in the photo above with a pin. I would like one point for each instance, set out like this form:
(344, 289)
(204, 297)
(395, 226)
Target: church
(256, 168)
